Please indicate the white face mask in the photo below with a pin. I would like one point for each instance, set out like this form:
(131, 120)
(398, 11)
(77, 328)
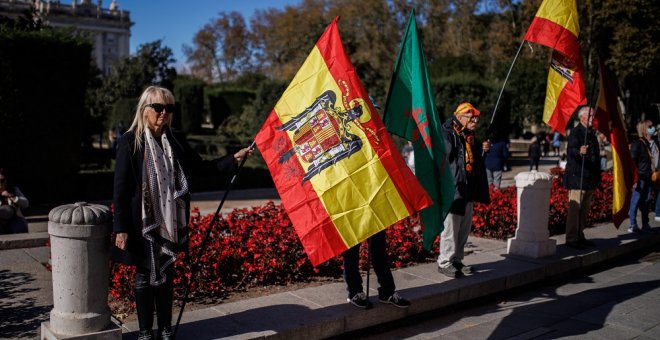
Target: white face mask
(651, 131)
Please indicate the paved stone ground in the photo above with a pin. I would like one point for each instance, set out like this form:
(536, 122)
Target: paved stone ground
(619, 301)
(26, 292)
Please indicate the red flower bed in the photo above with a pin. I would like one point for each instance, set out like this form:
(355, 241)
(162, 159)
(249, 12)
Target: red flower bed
(499, 218)
(258, 246)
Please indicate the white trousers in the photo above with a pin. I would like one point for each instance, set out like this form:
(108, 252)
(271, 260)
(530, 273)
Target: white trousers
(454, 237)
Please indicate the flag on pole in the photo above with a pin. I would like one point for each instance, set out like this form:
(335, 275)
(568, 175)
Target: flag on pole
(608, 121)
(556, 26)
(334, 165)
(410, 113)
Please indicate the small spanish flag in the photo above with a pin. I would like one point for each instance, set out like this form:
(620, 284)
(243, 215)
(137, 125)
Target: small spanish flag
(339, 174)
(556, 26)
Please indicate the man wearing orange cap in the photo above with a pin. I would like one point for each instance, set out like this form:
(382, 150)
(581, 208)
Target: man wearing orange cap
(464, 154)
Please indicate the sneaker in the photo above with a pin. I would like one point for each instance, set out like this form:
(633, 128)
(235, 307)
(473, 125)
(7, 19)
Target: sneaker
(632, 229)
(450, 271)
(396, 300)
(576, 245)
(464, 268)
(360, 300)
(146, 335)
(165, 333)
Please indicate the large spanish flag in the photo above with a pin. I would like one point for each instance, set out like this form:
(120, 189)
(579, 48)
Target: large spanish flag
(556, 26)
(338, 173)
(608, 120)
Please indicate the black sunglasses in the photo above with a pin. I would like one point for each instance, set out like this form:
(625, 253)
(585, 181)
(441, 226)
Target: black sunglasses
(158, 107)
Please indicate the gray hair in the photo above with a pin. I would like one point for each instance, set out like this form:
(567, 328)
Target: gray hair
(584, 110)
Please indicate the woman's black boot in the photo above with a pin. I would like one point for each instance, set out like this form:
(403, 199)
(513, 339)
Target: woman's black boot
(144, 301)
(164, 298)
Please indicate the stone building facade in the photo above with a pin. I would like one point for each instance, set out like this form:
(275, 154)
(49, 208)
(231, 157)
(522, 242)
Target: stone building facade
(111, 27)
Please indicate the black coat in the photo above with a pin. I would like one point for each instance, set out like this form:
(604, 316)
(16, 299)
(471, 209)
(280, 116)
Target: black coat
(469, 187)
(591, 173)
(127, 189)
(640, 153)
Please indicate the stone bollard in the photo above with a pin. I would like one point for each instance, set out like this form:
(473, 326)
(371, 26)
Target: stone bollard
(80, 255)
(532, 237)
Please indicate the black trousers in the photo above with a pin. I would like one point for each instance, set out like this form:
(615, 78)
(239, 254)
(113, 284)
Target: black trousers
(380, 263)
(147, 297)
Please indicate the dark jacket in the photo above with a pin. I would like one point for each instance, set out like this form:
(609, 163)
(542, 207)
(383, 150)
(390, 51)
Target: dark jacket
(640, 153)
(469, 187)
(497, 155)
(591, 174)
(128, 195)
(534, 151)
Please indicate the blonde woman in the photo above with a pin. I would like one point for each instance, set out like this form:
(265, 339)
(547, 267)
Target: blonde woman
(152, 203)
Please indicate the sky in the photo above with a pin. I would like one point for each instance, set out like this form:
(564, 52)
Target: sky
(176, 22)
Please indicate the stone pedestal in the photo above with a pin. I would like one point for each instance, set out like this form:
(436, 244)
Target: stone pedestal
(532, 237)
(80, 255)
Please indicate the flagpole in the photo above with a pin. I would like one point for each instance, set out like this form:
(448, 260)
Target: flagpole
(368, 266)
(593, 89)
(492, 118)
(206, 238)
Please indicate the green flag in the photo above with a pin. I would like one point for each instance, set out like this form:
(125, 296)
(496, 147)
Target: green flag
(410, 113)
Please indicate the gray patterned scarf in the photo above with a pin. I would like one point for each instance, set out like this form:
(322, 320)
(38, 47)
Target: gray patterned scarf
(163, 208)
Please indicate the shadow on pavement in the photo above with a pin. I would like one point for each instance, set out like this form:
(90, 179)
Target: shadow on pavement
(554, 319)
(19, 317)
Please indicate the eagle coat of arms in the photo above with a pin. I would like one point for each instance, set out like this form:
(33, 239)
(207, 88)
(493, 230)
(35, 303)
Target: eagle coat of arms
(322, 134)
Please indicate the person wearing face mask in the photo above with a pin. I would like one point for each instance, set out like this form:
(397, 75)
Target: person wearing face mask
(581, 178)
(464, 154)
(642, 152)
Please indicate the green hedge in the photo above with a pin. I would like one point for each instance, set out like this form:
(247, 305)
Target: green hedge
(222, 103)
(189, 94)
(43, 78)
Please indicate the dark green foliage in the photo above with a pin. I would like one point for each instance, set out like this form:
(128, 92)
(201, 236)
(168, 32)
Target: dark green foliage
(527, 91)
(242, 128)
(223, 103)
(43, 78)
(130, 76)
(459, 88)
(189, 94)
(123, 111)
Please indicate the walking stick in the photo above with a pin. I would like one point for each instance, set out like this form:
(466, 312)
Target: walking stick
(205, 240)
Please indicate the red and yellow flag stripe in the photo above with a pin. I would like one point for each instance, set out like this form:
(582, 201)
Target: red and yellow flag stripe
(608, 120)
(556, 25)
(357, 196)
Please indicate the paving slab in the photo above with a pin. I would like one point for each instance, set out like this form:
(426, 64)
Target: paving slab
(24, 240)
(322, 311)
(26, 293)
